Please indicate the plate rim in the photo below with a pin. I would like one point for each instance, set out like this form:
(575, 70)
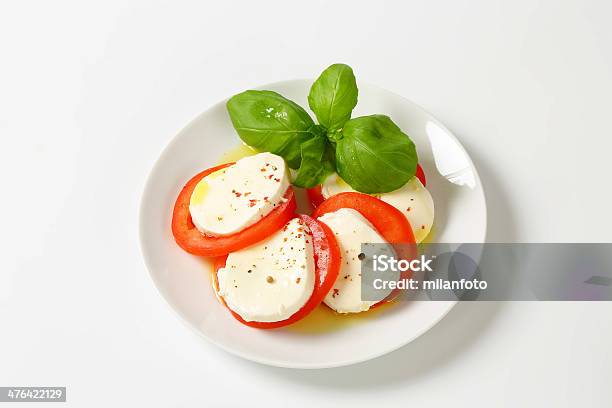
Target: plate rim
(253, 357)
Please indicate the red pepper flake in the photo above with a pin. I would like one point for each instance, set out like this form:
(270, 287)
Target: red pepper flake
(336, 292)
(408, 209)
(266, 198)
(248, 193)
(298, 280)
(252, 202)
(270, 176)
(277, 180)
(422, 227)
(262, 169)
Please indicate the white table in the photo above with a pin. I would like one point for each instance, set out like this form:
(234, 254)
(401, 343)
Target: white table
(91, 93)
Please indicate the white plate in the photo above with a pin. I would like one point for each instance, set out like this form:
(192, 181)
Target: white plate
(183, 279)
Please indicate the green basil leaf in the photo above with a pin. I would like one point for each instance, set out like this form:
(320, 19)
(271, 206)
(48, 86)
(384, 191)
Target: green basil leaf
(374, 155)
(333, 96)
(271, 123)
(317, 162)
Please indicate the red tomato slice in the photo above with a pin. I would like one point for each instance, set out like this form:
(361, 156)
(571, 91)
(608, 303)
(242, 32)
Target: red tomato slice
(327, 267)
(315, 195)
(388, 221)
(421, 175)
(188, 237)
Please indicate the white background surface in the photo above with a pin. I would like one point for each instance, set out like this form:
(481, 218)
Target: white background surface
(91, 93)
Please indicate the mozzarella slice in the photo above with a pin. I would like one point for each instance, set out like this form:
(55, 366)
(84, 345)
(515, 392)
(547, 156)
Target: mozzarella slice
(413, 199)
(236, 197)
(351, 230)
(270, 281)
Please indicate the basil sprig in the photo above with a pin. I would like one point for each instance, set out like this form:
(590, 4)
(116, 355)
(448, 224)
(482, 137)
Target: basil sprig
(333, 96)
(269, 122)
(377, 148)
(370, 153)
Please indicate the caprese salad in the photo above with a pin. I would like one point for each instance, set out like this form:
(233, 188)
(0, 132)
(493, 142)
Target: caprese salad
(273, 266)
